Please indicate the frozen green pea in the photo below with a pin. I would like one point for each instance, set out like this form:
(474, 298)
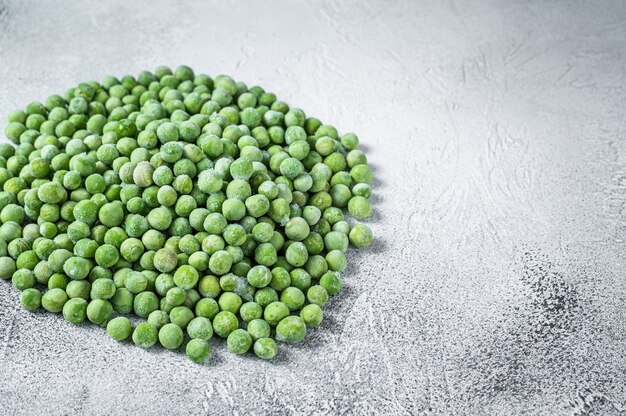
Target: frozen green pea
(224, 323)
(229, 301)
(239, 341)
(102, 289)
(207, 308)
(336, 260)
(54, 300)
(293, 298)
(259, 276)
(99, 311)
(181, 316)
(30, 299)
(297, 229)
(265, 348)
(331, 282)
(201, 328)
(312, 315)
(119, 328)
(144, 304)
(186, 277)
(275, 312)
(361, 236)
(359, 207)
(145, 335)
(122, 301)
(158, 318)
(291, 330)
(250, 311)
(171, 336)
(197, 350)
(75, 310)
(297, 254)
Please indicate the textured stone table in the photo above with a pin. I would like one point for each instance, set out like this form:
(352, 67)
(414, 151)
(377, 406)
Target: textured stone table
(497, 133)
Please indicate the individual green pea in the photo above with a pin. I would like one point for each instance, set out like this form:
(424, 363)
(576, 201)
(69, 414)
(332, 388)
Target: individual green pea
(262, 232)
(165, 260)
(207, 308)
(336, 240)
(132, 249)
(317, 295)
(77, 268)
(30, 299)
(200, 328)
(135, 282)
(163, 283)
(220, 262)
(359, 207)
(331, 282)
(171, 336)
(265, 348)
(77, 288)
(291, 330)
(99, 311)
(233, 209)
(153, 240)
(258, 328)
(361, 236)
(297, 229)
(235, 234)
(53, 300)
(186, 277)
(275, 312)
(23, 279)
(250, 311)
(316, 266)
(145, 335)
(7, 267)
(241, 168)
(229, 301)
(119, 328)
(85, 247)
(297, 254)
(360, 173)
(199, 260)
(106, 255)
(293, 298)
(265, 254)
(209, 286)
(362, 189)
(259, 276)
(301, 279)
(75, 310)
(102, 289)
(111, 214)
(158, 318)
(181, 316)
(350, 141)
(224, 323)
(197, 350)
(176, 296)
(144, 304)
(239, 341)
(312, 315)
(342, 226)
(336, 260)
(122, 301)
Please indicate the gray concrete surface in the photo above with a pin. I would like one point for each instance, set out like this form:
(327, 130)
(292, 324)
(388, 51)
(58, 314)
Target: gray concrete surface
(497, 132)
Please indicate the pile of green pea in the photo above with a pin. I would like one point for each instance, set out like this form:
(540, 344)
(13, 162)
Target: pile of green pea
(196, 203)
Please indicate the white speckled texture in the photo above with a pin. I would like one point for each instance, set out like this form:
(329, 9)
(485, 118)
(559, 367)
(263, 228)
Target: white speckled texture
(497, 133)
